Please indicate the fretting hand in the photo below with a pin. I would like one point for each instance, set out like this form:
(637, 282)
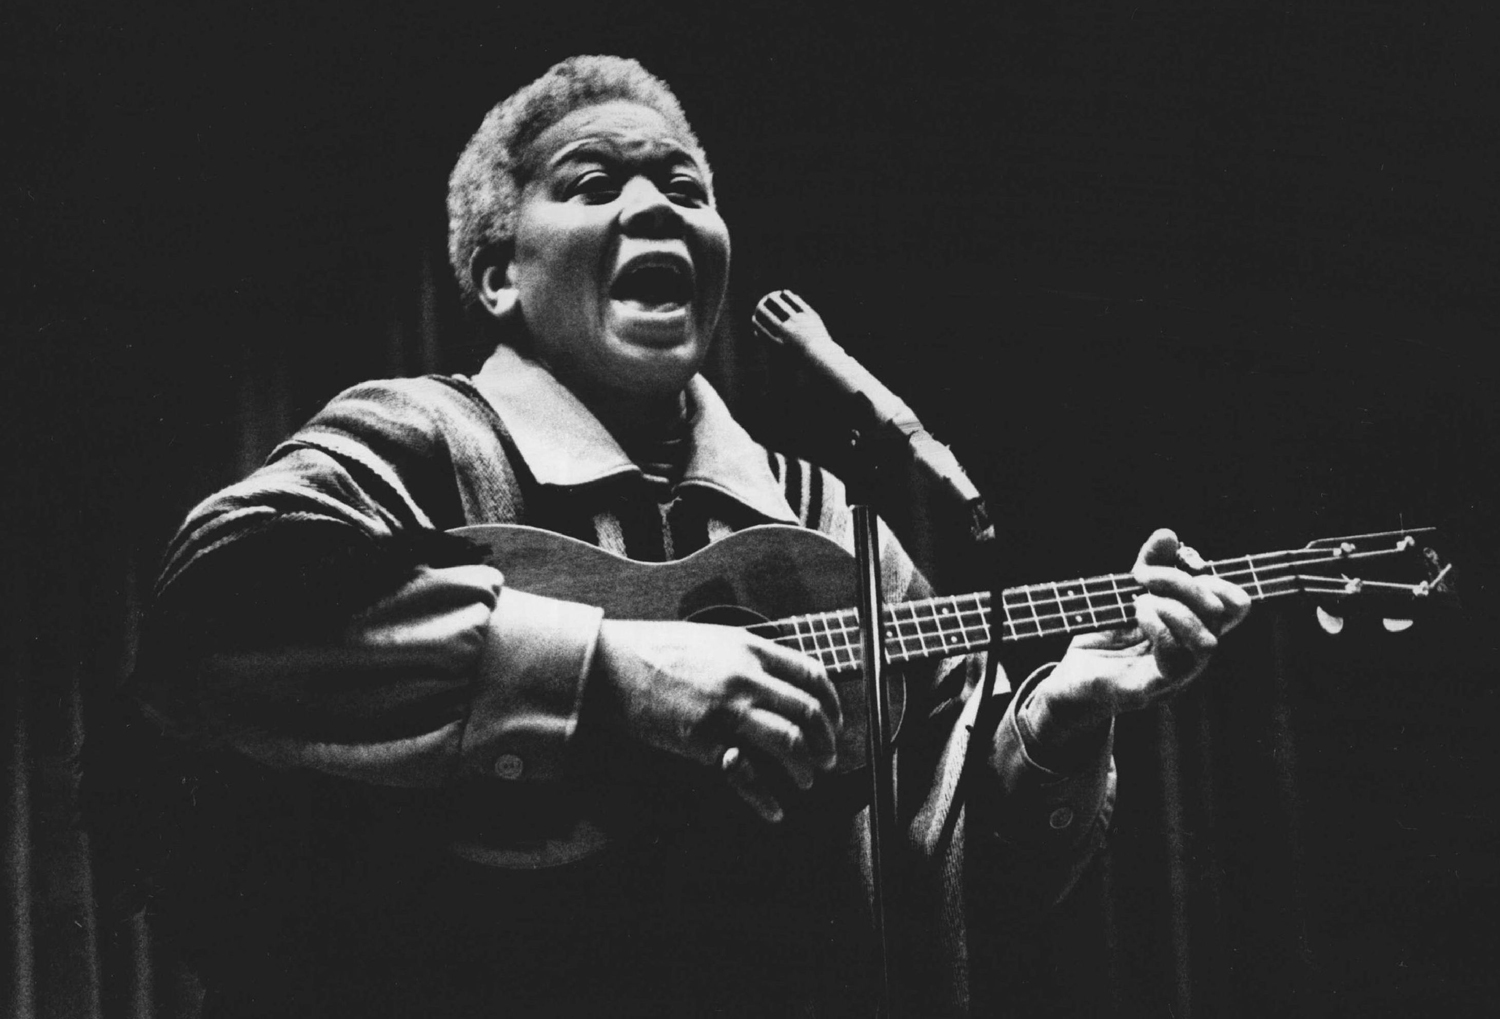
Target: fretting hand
(712, 694)
(1178, 622)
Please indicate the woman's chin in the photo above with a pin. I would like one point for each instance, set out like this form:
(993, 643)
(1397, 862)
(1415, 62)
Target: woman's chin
(652, 365)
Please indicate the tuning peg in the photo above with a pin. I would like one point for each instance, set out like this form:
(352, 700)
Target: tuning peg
(1396, 625)
(1328, 621)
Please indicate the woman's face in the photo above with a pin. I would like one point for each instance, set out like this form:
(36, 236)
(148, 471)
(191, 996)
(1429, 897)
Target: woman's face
(621, 259)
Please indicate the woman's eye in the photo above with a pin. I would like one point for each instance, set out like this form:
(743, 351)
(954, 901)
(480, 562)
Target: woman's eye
(594, 186)
(687, 189)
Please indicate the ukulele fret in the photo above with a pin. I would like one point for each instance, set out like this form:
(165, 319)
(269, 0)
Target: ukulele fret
(1069, 605)
(981, 612)
(1036, 616)
(834, 644)
(924, 629)
(797, 633)
(1254, 578)
(943, 613)
(899, 631)
(1127, 612)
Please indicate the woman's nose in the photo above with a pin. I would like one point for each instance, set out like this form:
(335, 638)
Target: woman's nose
(647, 212)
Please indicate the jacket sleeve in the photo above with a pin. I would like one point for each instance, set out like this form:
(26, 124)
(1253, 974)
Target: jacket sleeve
(1026, 818)
(996, 839)
(314, 616)
(980, 792)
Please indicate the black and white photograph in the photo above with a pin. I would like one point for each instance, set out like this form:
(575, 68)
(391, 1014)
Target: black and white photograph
(750, 510)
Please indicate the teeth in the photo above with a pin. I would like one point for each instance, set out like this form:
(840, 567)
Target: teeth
(653, 284)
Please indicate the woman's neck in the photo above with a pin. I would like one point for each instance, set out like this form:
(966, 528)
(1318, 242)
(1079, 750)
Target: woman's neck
(637, 421)
(633, 418)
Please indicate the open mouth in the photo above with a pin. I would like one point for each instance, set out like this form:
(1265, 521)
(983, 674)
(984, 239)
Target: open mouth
(658, 286)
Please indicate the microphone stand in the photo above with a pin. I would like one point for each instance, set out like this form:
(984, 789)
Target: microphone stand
(877, 701)
(874, 457)
(876, 454)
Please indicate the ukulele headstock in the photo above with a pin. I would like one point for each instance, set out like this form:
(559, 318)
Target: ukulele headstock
(1393, 575)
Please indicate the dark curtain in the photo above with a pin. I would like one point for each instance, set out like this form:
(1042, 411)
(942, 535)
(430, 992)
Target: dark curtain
(1230, 269)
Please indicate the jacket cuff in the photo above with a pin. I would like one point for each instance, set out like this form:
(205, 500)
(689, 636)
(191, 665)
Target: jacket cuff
(531, 678)
(1041, 808)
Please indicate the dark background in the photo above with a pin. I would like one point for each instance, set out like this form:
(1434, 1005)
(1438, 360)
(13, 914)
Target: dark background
(1226, 267)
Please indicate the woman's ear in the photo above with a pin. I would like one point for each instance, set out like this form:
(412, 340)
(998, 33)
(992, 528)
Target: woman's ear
(498, 296)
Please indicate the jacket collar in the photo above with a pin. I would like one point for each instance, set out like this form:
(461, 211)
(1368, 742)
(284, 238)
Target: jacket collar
(566, 446)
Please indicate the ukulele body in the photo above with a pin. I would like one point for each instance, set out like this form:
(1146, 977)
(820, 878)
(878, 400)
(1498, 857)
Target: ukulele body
(753, 576)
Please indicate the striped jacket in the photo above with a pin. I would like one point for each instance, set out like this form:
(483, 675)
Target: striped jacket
(310, 620)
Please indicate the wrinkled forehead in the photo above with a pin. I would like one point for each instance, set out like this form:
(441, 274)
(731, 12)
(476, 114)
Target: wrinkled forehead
(624, 129)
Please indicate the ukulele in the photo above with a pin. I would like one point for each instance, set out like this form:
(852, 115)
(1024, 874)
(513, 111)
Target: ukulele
(754, 577)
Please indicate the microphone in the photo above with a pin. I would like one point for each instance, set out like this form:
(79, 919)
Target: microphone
(786, 319)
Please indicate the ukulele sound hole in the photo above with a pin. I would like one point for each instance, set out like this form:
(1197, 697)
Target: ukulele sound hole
(725, 615)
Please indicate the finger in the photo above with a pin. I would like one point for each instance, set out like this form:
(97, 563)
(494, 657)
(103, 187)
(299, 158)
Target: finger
(1194, 643)
(1195, 592)
(802, 672)
(1187, 626)
(1190, 560)
(1171, 658)
(1111, 641)
(1236, 603)
(1220, 602)
(1156, 569)
(781, 741)
(742, 779)
(1222, 605)
(1159, 550)
(803, 710)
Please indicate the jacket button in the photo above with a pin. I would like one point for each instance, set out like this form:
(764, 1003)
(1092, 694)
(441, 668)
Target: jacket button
(1061, 817)
(508, 766)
